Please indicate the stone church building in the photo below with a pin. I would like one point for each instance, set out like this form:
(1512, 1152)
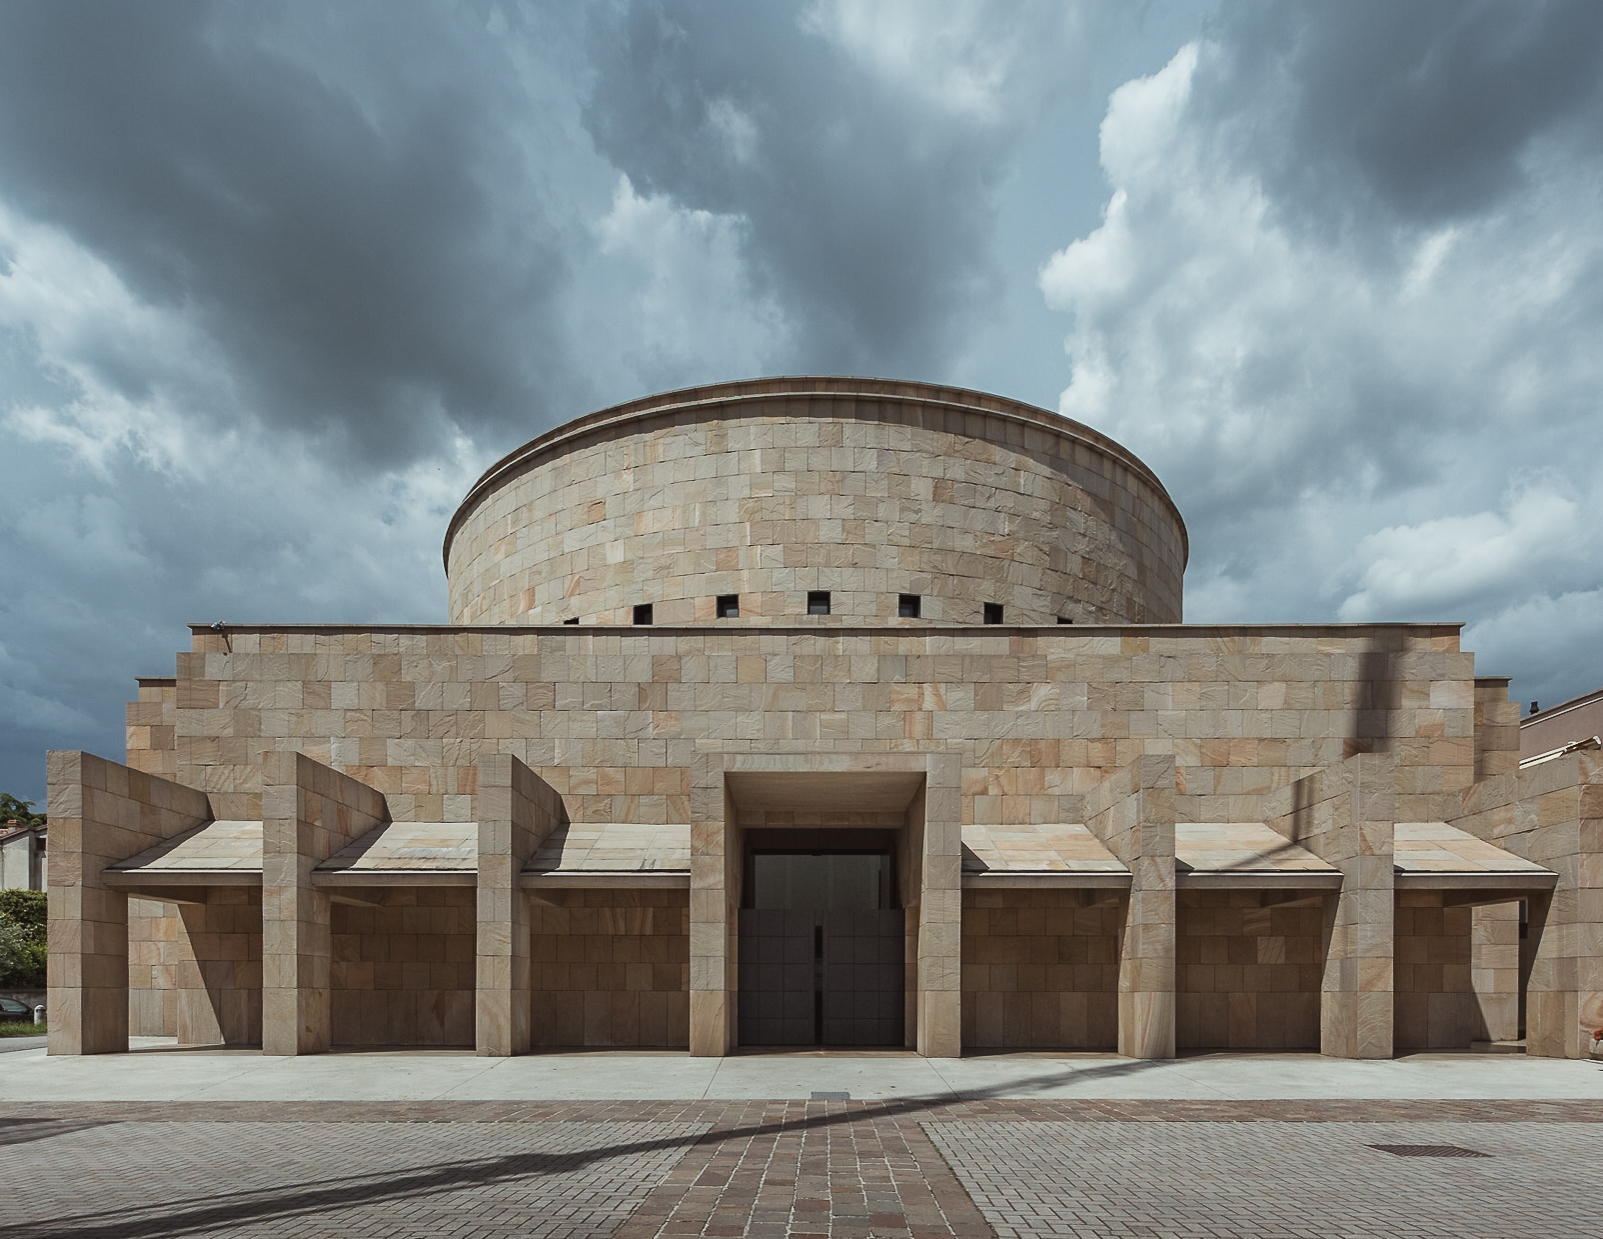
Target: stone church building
(823, 711)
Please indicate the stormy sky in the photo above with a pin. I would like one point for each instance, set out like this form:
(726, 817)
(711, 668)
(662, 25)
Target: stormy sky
(278, 279)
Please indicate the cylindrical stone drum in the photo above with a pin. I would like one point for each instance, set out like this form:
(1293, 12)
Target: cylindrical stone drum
(818, 501)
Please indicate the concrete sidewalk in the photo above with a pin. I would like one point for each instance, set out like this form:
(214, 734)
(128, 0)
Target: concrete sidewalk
(160, 1071)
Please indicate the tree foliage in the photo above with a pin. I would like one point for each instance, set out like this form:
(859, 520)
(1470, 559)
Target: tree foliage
(19, 811)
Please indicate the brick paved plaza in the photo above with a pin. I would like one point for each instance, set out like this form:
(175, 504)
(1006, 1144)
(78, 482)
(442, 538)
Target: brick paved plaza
(146, 1170)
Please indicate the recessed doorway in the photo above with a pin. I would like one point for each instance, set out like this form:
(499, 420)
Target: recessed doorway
(822, 940)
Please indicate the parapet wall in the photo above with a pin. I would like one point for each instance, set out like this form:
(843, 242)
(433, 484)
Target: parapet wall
(768, 490)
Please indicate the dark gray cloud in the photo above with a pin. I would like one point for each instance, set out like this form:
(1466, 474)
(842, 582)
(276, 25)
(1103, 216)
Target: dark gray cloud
(1424, 111)
(869, 215)
(356, 230)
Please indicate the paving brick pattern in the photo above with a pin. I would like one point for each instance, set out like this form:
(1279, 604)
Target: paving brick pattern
(93, 1179)
(841, 1169)
(816, 1171)
(1323, 1180)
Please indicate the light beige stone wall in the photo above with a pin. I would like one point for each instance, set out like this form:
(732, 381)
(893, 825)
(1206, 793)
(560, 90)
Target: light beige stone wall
(1495, 943)
(152, 734)
(611, 968)
(640, 725)
(154, 953)
(309, 812)
(1435, 1007)
(866, 489)
(517, 811)
(614, 720)
(1248, 973)
(195, 969)
(1552, 814)
(1497, 728)
(402, 973)
(1041, 969)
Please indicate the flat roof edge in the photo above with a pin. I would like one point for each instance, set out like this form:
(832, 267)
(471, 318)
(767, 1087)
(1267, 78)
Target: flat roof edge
(1061, 630)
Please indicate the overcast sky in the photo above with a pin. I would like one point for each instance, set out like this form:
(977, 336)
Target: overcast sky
(278, 279)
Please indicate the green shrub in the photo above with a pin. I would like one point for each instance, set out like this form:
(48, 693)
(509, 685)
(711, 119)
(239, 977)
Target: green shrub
(23, 937)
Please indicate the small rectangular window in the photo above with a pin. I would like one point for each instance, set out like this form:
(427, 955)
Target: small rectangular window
(818, 602)
(907, 606)
(993, 612)
(572, 620)
(1064, 619)
(643, 613)
(728, 606)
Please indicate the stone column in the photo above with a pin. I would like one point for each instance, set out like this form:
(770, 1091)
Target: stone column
(940, 911)
(1345, 816)
(517, 810)
(714, 852)
(1132, 813)
(309, 812)
(100, 813)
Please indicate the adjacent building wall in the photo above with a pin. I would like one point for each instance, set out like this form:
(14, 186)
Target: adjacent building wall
(1560, 724)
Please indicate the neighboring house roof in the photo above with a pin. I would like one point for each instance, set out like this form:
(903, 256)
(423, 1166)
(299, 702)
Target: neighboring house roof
(1570, 722)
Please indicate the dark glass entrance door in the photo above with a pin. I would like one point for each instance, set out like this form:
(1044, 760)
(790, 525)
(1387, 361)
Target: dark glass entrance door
(821, 951)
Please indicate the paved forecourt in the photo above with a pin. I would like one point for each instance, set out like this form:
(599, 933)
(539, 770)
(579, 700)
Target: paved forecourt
(171, 1142)
(160, 1071)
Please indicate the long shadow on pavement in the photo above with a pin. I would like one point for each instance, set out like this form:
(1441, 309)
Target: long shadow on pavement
(221, 1212)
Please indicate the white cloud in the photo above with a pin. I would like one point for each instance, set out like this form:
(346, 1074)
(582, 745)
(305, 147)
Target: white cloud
(91, 337)
(961, 56)
(1384, 420)
(691, 303)
(1436, 566)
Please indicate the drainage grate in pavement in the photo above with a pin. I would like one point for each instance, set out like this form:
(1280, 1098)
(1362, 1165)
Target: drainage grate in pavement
(827, 1096)
(1427, 1150)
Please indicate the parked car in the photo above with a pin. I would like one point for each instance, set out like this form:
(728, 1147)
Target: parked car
(11, 1009)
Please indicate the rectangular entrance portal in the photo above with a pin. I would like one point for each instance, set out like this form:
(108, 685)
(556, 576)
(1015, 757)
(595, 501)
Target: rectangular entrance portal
(821, 945)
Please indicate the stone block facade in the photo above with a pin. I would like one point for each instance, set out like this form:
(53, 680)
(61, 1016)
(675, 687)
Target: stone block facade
(1041, 969)
(402, 971)
(524, 836)
(611, 968)
(1248, 970)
